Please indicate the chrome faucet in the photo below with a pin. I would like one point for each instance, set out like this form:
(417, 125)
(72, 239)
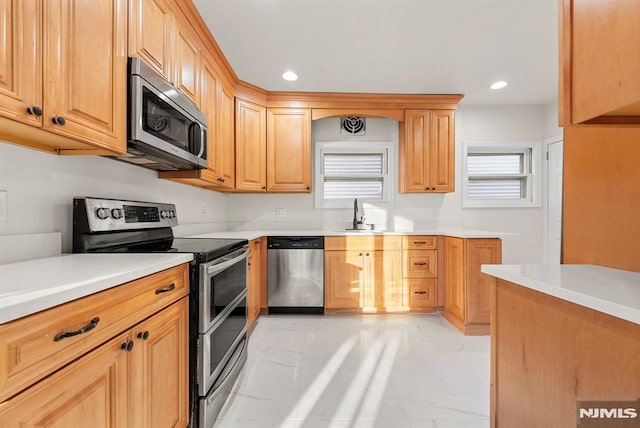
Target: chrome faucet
(358, 216)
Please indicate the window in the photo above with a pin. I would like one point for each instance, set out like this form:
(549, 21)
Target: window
(504, 175)
(348, 170)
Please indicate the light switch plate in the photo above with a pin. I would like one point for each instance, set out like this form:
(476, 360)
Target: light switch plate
(3, 206)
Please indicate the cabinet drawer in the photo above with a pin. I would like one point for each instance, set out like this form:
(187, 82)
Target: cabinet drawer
(422, 293)
(364, 243)
(418, 242)
(35, 345)
(420, 264)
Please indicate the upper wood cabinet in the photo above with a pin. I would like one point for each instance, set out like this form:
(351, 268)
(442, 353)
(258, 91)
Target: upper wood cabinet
(288, 150)
(151, 33)
(599, 62)
(187, 67)
(251, 147)
(63, 67)
(427, 152)
(21, 60)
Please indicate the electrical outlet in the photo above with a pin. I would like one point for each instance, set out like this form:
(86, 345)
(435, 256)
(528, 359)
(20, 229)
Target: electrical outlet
(3, 206)
(281, 212)
(204, 211)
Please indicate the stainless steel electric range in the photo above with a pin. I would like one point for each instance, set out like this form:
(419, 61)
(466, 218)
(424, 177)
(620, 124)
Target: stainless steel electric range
(218, 288)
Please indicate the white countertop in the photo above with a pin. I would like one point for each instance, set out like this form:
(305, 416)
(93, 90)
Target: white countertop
(611, 291)
(31, 286)
(253, 234)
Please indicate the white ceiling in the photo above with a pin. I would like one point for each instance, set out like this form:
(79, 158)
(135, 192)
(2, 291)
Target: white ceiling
(393, 46)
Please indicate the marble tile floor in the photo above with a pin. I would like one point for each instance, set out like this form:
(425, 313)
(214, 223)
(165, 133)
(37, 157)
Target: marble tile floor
(369, 371)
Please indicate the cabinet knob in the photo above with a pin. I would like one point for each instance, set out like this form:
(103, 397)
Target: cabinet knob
(127, 346)
(308, 188)
(58, 120)
(433, 188)
(264, 187)
(360, 254)
(144, 335)
(367, 254)
(34, 110)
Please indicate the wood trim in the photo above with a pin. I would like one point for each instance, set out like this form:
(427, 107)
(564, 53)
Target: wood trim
(614, 120)
(263, 276)
(191, 15)
(250, 92)
(467, 329)
(564, 61)
(396, 114)
(335, 100)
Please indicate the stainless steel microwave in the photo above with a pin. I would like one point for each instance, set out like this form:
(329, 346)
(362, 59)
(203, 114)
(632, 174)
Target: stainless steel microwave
(166, 131)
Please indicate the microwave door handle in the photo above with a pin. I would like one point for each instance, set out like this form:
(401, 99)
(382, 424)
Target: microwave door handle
(216, 269)
(203, 142)
(195, 137)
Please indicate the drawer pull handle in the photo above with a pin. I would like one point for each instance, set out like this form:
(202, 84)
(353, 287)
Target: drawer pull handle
(419, 292)
(166, 289)
(420, 264)
(419, 242)
(87, 328)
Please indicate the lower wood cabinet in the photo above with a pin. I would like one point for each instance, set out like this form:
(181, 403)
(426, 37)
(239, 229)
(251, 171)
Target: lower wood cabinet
(467, 299)
(366, 278)
(133, 372)
(255, 282)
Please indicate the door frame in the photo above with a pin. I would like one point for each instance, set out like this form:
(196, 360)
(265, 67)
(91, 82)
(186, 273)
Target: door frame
(545, 177)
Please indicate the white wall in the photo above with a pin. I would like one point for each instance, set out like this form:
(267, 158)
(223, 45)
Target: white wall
(551, 128)
(411, 211)
(41, 187)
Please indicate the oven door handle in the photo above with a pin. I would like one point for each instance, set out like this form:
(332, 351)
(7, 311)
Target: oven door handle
(217, 268)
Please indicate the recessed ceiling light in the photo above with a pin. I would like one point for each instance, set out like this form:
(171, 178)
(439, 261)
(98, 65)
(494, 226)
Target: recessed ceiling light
(289, 75)
(499, 84)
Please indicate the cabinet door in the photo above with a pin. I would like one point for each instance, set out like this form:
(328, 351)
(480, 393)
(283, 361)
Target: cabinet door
(478, 284)
(225, 137)
(600, 61)
(92, 391)
(253, 294)
(442, 151)
(251, 146)
(454, 275)
(151, 30)
(414, 153)
(209, 106)
(187, 77)
(343, 279)
(85, 71)
(289, 150)
(159, 369)
(386, 282)
(21, 59)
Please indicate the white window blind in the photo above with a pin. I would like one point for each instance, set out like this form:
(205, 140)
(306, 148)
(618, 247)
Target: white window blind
(496, 176)
(346, 171)
(501, 175)
(353, 175)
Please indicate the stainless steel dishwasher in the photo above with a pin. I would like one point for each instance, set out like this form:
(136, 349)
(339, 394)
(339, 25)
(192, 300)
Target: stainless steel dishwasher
(295, 274)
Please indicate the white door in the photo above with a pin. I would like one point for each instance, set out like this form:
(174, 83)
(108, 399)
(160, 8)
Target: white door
(554, 205)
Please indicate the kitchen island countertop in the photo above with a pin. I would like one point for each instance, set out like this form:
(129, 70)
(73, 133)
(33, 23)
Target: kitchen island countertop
(614, 292)
(30, 286)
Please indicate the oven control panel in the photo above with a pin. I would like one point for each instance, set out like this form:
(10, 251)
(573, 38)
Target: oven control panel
(110, 214)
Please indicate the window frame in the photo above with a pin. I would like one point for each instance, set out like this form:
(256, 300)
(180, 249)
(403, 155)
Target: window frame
(388, 182)
(532, 158)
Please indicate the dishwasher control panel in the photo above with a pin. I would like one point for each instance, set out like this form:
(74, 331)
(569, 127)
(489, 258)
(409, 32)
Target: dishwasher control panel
(295, 242)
